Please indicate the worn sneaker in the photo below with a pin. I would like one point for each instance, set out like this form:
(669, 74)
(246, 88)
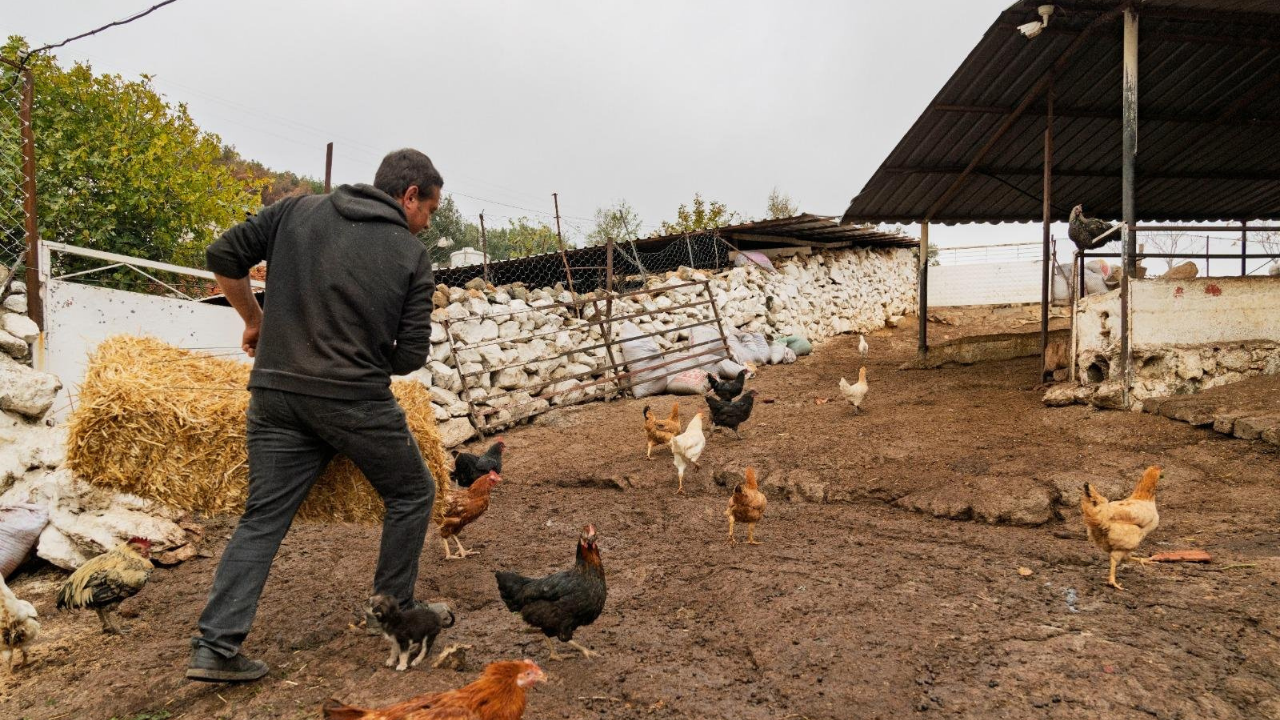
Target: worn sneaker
(208, 666)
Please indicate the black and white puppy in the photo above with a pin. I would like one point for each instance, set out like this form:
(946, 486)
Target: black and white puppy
(406, 628)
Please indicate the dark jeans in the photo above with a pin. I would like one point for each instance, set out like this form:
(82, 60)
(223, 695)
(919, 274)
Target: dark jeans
(291, 439)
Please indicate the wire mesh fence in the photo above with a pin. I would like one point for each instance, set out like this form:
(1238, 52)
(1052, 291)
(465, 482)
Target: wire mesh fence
(13, 236)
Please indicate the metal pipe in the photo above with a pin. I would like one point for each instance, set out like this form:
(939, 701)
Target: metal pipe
(1047, 218)
(922, 345)
(568, 276)
(1128, 160)
(1187, 256)
(1244, 246)
(484, 247)
(1205, 228)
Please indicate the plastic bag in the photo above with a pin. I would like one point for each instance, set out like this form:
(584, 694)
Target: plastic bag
(638, 352)
(689, 382)
(20, 527)
(799, 345)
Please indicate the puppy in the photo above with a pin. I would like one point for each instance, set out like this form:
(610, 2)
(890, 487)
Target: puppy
(406, 628)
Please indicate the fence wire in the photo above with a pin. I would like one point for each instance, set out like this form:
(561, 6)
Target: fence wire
(13, 239)
(584, 270)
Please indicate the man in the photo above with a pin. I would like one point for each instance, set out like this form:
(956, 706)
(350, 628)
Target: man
(349, 306)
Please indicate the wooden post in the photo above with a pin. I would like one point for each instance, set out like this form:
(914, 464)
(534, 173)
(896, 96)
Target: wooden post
(1047, 218)
(568, 276)
(715, 310)
(35, 290)
(922, 346)
(1128, 166)
(608, 265)
(328, 166)
(484, 248)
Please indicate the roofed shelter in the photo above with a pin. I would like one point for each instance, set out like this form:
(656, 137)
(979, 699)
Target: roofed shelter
(1140, 110)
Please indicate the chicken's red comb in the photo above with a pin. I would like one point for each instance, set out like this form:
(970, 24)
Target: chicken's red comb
(140, 541)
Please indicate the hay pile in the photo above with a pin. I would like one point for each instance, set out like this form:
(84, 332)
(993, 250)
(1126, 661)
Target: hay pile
(168, 424)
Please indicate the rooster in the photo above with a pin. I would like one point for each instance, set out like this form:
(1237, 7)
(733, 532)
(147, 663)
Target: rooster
(497, 695)
(108, 580)
(468, 468)
(1088, 233)
(659, 431)
(727, 390)
(18, 627)
(462, 509)
(746, 505)
(856, 392)
(1118, 527)
(561, 603)
(687, 447)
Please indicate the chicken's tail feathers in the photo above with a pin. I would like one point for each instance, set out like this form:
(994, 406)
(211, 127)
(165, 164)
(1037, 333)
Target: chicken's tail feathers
(509, 586)
(646, 412)
(1089, 501)
(335, 709)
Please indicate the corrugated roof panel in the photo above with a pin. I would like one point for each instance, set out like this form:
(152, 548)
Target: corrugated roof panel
(1209, 98)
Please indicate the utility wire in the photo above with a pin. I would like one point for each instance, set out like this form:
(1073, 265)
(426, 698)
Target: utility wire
(125, 21)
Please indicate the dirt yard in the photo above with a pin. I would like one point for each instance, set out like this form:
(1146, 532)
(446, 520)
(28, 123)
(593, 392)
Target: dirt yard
(856, 606)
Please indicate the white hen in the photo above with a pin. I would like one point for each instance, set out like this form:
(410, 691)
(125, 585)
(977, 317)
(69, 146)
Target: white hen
(856, 392)
(686, 448)
(862, 346)
(18, 626)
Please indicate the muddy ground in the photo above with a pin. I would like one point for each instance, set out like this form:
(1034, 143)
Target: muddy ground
(855, 607)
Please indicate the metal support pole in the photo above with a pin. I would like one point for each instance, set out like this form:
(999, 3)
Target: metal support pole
(568, 276)
(1244, 247)
(1129, 153)
(35, 293)
(688, 245)
(484, 248)
(328, 166)
(1047, 217)
(1206, 255)
(922, 346)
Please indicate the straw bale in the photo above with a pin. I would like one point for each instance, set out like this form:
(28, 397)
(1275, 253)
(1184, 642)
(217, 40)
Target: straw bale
(168, 424)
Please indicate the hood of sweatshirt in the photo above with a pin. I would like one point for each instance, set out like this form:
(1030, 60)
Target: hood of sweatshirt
(365, 203)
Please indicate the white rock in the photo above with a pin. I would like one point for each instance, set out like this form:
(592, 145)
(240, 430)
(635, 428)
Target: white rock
(25, 391)
(57, 549)
(443, 376)
(510, 378)
(12, 346)
(455, 432)
(21, 327)
(440, 396)
(438, 334)
(456, 311)
(440, 413)
(18, 287)
(16, 303)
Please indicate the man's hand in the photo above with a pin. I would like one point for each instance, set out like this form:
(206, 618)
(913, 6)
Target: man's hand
(249, 341)
(240, 295)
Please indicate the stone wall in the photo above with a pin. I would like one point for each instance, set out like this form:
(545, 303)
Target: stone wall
(17, 331)
(818, 296)
(1187, 335)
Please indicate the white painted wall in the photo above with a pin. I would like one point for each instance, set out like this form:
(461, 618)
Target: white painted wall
(79, 317)
(996, 283)
(1185, 312)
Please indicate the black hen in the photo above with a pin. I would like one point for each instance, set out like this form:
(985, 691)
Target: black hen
(731, 414)
(561, 603)
(1087, 233)
(727, 390)
(467, 468)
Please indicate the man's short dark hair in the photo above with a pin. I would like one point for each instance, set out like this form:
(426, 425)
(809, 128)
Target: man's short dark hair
(402, 168)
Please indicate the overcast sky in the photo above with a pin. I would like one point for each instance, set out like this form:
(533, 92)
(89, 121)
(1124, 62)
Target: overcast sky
(647, 101)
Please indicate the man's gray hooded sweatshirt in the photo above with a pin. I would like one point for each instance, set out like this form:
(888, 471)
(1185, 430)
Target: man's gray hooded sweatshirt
(349, 292)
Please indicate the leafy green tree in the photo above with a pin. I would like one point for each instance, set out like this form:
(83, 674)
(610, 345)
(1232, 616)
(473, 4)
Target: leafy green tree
(703, 215)
(521, 238)
(449, 232)
(619, 221)
(780, 206)
(120, 169)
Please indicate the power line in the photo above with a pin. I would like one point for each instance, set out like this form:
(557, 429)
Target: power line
(117, 23)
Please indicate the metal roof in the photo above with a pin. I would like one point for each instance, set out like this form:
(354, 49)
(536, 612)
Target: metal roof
(820, 231)
(1209, 113)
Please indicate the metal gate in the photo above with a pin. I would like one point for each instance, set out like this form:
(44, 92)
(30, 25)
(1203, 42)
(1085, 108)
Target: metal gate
(564, 353)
